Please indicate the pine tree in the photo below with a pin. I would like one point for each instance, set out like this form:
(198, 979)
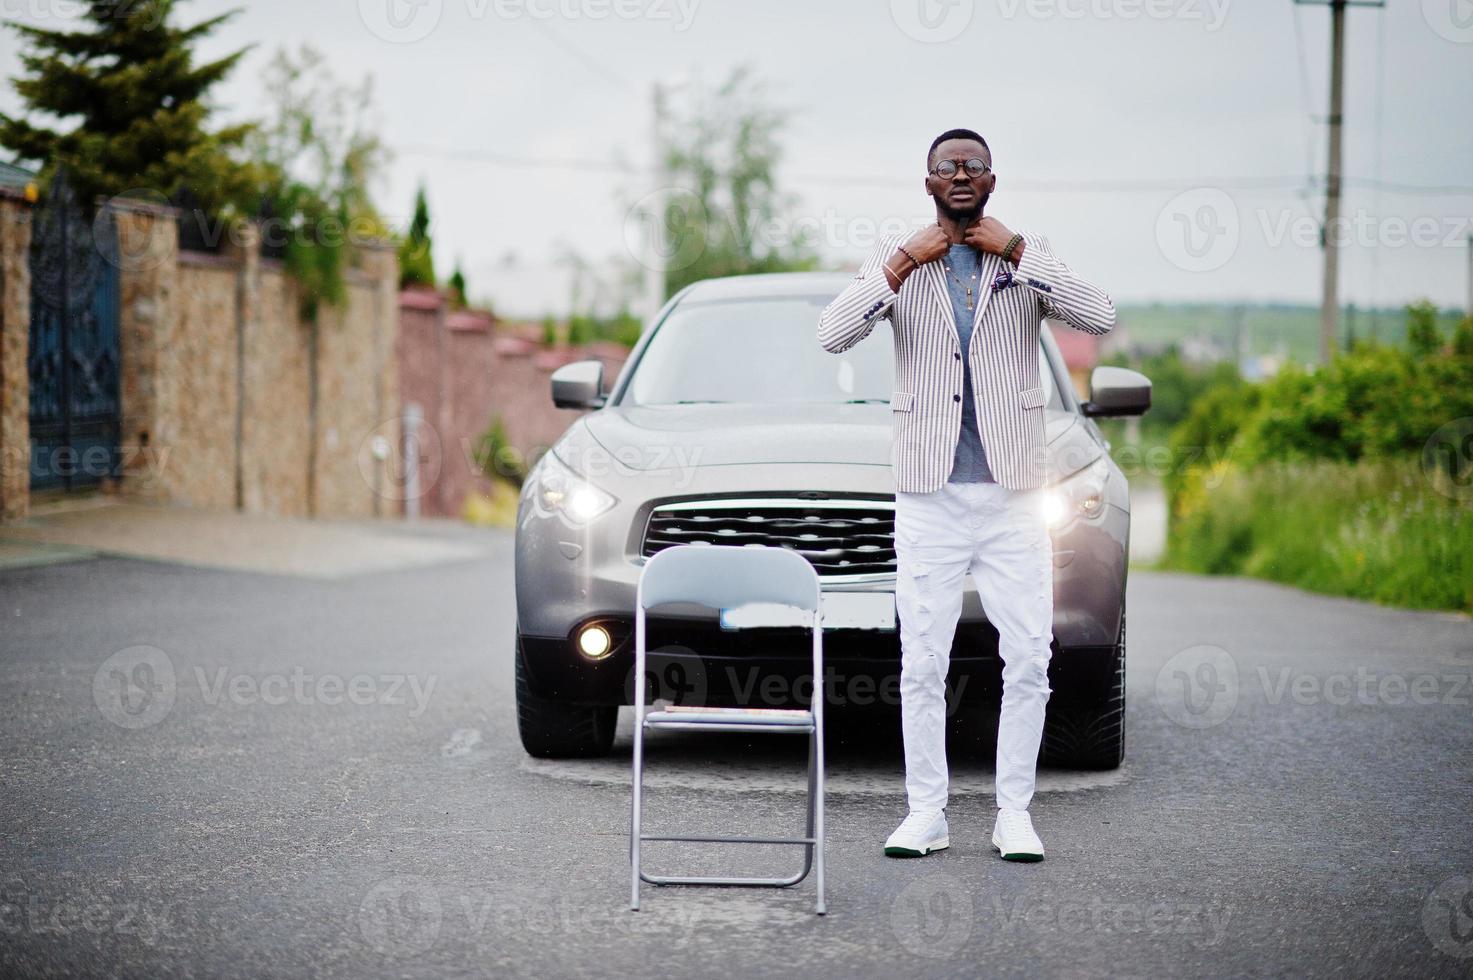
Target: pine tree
(416, 261)
(130, 83)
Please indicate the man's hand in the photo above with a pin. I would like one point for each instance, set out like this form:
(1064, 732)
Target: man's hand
(990, 235)
(928, 244)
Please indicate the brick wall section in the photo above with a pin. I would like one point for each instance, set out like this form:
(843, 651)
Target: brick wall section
(15, 340)
(466, 368)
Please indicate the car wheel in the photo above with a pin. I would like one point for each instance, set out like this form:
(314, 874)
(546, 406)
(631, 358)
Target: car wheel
(557, 730)
(1083, 733)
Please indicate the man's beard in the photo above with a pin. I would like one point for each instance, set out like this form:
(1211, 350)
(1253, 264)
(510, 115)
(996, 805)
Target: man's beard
(964, 216)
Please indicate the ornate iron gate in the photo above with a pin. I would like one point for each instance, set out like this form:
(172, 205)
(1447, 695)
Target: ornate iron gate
(74, 356)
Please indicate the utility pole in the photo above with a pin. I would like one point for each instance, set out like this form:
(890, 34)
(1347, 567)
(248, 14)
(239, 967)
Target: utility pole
(654, 262)
(1330, 301)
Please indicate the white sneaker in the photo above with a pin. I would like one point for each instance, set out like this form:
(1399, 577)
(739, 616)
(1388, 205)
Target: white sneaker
(1014, 838)
(918, 835)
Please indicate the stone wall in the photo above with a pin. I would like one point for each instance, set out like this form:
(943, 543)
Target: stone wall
(219, 379)
(15, 338)
(465, 369)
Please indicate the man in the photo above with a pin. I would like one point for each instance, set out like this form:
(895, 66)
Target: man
(964, 298)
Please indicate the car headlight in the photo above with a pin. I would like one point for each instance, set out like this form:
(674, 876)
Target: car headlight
(562, 492)
(1079, 496)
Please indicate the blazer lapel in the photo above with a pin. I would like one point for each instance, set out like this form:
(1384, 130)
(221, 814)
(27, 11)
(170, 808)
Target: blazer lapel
(936, 281)
(990, 266)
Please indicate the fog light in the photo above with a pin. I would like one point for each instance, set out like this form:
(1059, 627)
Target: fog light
(595, 643)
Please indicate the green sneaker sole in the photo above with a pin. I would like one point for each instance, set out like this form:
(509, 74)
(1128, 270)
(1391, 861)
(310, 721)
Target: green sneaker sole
(910, 852)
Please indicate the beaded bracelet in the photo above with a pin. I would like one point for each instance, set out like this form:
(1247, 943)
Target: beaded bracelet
(1007, 252)
(906, 252)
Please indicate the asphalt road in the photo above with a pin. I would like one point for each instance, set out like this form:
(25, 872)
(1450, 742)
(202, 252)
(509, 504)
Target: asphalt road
(214, 773)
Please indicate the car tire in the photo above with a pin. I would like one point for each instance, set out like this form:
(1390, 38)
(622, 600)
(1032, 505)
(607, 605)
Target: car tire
(558, 730)
(1089, 734)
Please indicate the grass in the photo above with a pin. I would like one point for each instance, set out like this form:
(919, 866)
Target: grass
(1375, 529)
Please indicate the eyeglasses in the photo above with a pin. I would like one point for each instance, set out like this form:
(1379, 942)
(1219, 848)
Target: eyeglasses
(947, 169)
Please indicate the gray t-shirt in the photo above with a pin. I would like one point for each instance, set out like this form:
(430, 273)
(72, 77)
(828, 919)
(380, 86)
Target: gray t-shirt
(969, 461)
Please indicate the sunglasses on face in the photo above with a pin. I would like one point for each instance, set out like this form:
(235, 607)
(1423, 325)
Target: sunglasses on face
(947, 169)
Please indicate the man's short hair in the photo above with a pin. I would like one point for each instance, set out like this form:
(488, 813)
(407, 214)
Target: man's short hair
(954, 134)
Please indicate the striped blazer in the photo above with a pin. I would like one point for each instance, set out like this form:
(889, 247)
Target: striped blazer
(926, 405)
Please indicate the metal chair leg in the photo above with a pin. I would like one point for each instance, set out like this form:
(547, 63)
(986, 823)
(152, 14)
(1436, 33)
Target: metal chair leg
(634, 814)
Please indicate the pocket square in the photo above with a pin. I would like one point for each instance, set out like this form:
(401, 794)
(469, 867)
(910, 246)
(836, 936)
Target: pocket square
(1003, 281)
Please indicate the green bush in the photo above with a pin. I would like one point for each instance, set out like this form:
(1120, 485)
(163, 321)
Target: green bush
(1373, 529)
(1316, 477)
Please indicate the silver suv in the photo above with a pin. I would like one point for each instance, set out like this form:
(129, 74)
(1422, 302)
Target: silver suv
(730, 424)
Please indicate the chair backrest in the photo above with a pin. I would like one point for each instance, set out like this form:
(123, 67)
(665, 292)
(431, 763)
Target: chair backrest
(726, 576)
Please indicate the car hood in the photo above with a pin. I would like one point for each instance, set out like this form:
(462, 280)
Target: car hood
(647, 437)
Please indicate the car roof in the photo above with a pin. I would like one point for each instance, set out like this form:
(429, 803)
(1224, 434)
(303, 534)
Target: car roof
(767, 284)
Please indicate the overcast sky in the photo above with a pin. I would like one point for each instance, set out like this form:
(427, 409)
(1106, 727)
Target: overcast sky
(1166, 147)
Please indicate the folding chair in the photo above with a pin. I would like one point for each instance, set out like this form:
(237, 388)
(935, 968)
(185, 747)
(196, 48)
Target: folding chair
(729, 576)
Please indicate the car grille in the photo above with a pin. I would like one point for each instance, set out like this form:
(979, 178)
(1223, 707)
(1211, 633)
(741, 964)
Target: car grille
(839, 538)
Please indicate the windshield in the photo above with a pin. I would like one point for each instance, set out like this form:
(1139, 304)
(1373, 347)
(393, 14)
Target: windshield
(763, 350)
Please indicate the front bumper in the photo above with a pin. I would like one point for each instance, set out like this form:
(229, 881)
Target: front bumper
(568, 577)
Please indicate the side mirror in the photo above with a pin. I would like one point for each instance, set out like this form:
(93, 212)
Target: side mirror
(578, 385)
(1115, 391)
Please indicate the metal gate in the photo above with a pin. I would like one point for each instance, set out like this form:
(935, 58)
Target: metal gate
(74, 358)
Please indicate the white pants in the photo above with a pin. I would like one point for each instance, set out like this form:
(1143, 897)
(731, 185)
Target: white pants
(1001, 537)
